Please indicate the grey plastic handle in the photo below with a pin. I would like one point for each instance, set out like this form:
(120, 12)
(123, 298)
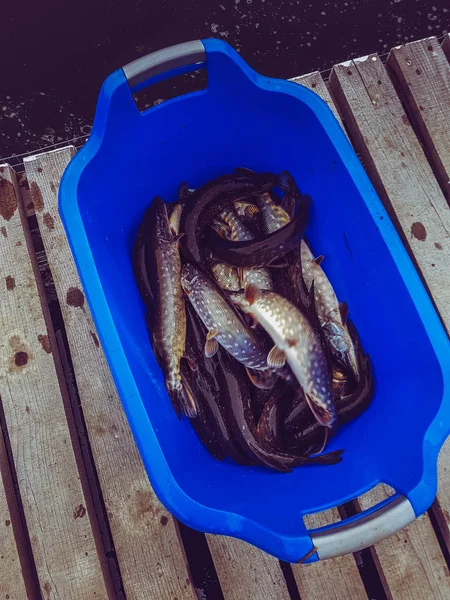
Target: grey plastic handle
(364, 532)
(142, 69)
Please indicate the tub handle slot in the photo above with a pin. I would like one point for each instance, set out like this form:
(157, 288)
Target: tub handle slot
(172, 58)
(364, 530)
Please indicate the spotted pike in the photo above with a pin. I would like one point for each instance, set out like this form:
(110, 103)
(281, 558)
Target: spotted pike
(297, 342)
(169, 319)
(271, 215)
(225, 326)
(239, 232)
(266, 249)
(331, 314)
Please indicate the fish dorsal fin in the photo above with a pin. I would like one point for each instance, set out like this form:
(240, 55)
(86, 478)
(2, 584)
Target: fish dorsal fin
(343, 311)
(251, 293)
(318, 260)
(276, 358)
(211, 347)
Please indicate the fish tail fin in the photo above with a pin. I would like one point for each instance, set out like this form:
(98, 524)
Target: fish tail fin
(330, 458)
(287, 183)
(182, 398)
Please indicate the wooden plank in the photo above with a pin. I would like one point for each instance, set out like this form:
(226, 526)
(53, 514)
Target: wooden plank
(398, 167)
(12, 584)
(338, 578)
(150, 555)
(55, 506)
(245, 571)
(314, 82)
(423, 72)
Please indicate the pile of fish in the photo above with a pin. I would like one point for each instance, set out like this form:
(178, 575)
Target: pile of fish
(255, 347)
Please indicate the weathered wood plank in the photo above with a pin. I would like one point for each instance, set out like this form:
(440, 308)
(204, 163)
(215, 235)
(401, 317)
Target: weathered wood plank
(150, 555)
(314, 82)
(246, 572)
(400, 171)
(423, 72)
(338, 578)
(12, 584)
(62, 539)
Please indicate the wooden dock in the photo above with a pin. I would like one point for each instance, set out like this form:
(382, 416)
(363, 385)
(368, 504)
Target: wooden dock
(78, 517)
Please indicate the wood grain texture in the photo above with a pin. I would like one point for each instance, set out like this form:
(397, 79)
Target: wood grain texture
(245, 571)
(150, 555)
(403, 178)
(12, 584)
(396, 163)
(59, 525)
(339, 578)
(423, 72)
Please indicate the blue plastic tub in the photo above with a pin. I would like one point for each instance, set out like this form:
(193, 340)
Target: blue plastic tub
(243, 118)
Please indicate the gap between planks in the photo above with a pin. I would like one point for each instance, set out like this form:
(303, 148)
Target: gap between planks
(115, 440)
(411, 560)
(150, 556)
(58, 514)
(423, 75)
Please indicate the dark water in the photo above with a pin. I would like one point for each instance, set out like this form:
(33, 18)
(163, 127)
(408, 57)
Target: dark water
(55, 55)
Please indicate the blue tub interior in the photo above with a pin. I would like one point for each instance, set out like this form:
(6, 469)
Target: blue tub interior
(243, 119)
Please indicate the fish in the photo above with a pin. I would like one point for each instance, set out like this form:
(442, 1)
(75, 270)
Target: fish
(140, 267)
(297, 342)
(201, 205)
(238, 232)
(351, 397)
(244, 428)
(246, 210)
(271, 215)
(270, 421)
(225, 276)
(331, 314)
(268, 248)
(225, 326)
(162, 259)
(208, 383)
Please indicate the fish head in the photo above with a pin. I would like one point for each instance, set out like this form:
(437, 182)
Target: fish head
(246, 300)
(189, 275)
